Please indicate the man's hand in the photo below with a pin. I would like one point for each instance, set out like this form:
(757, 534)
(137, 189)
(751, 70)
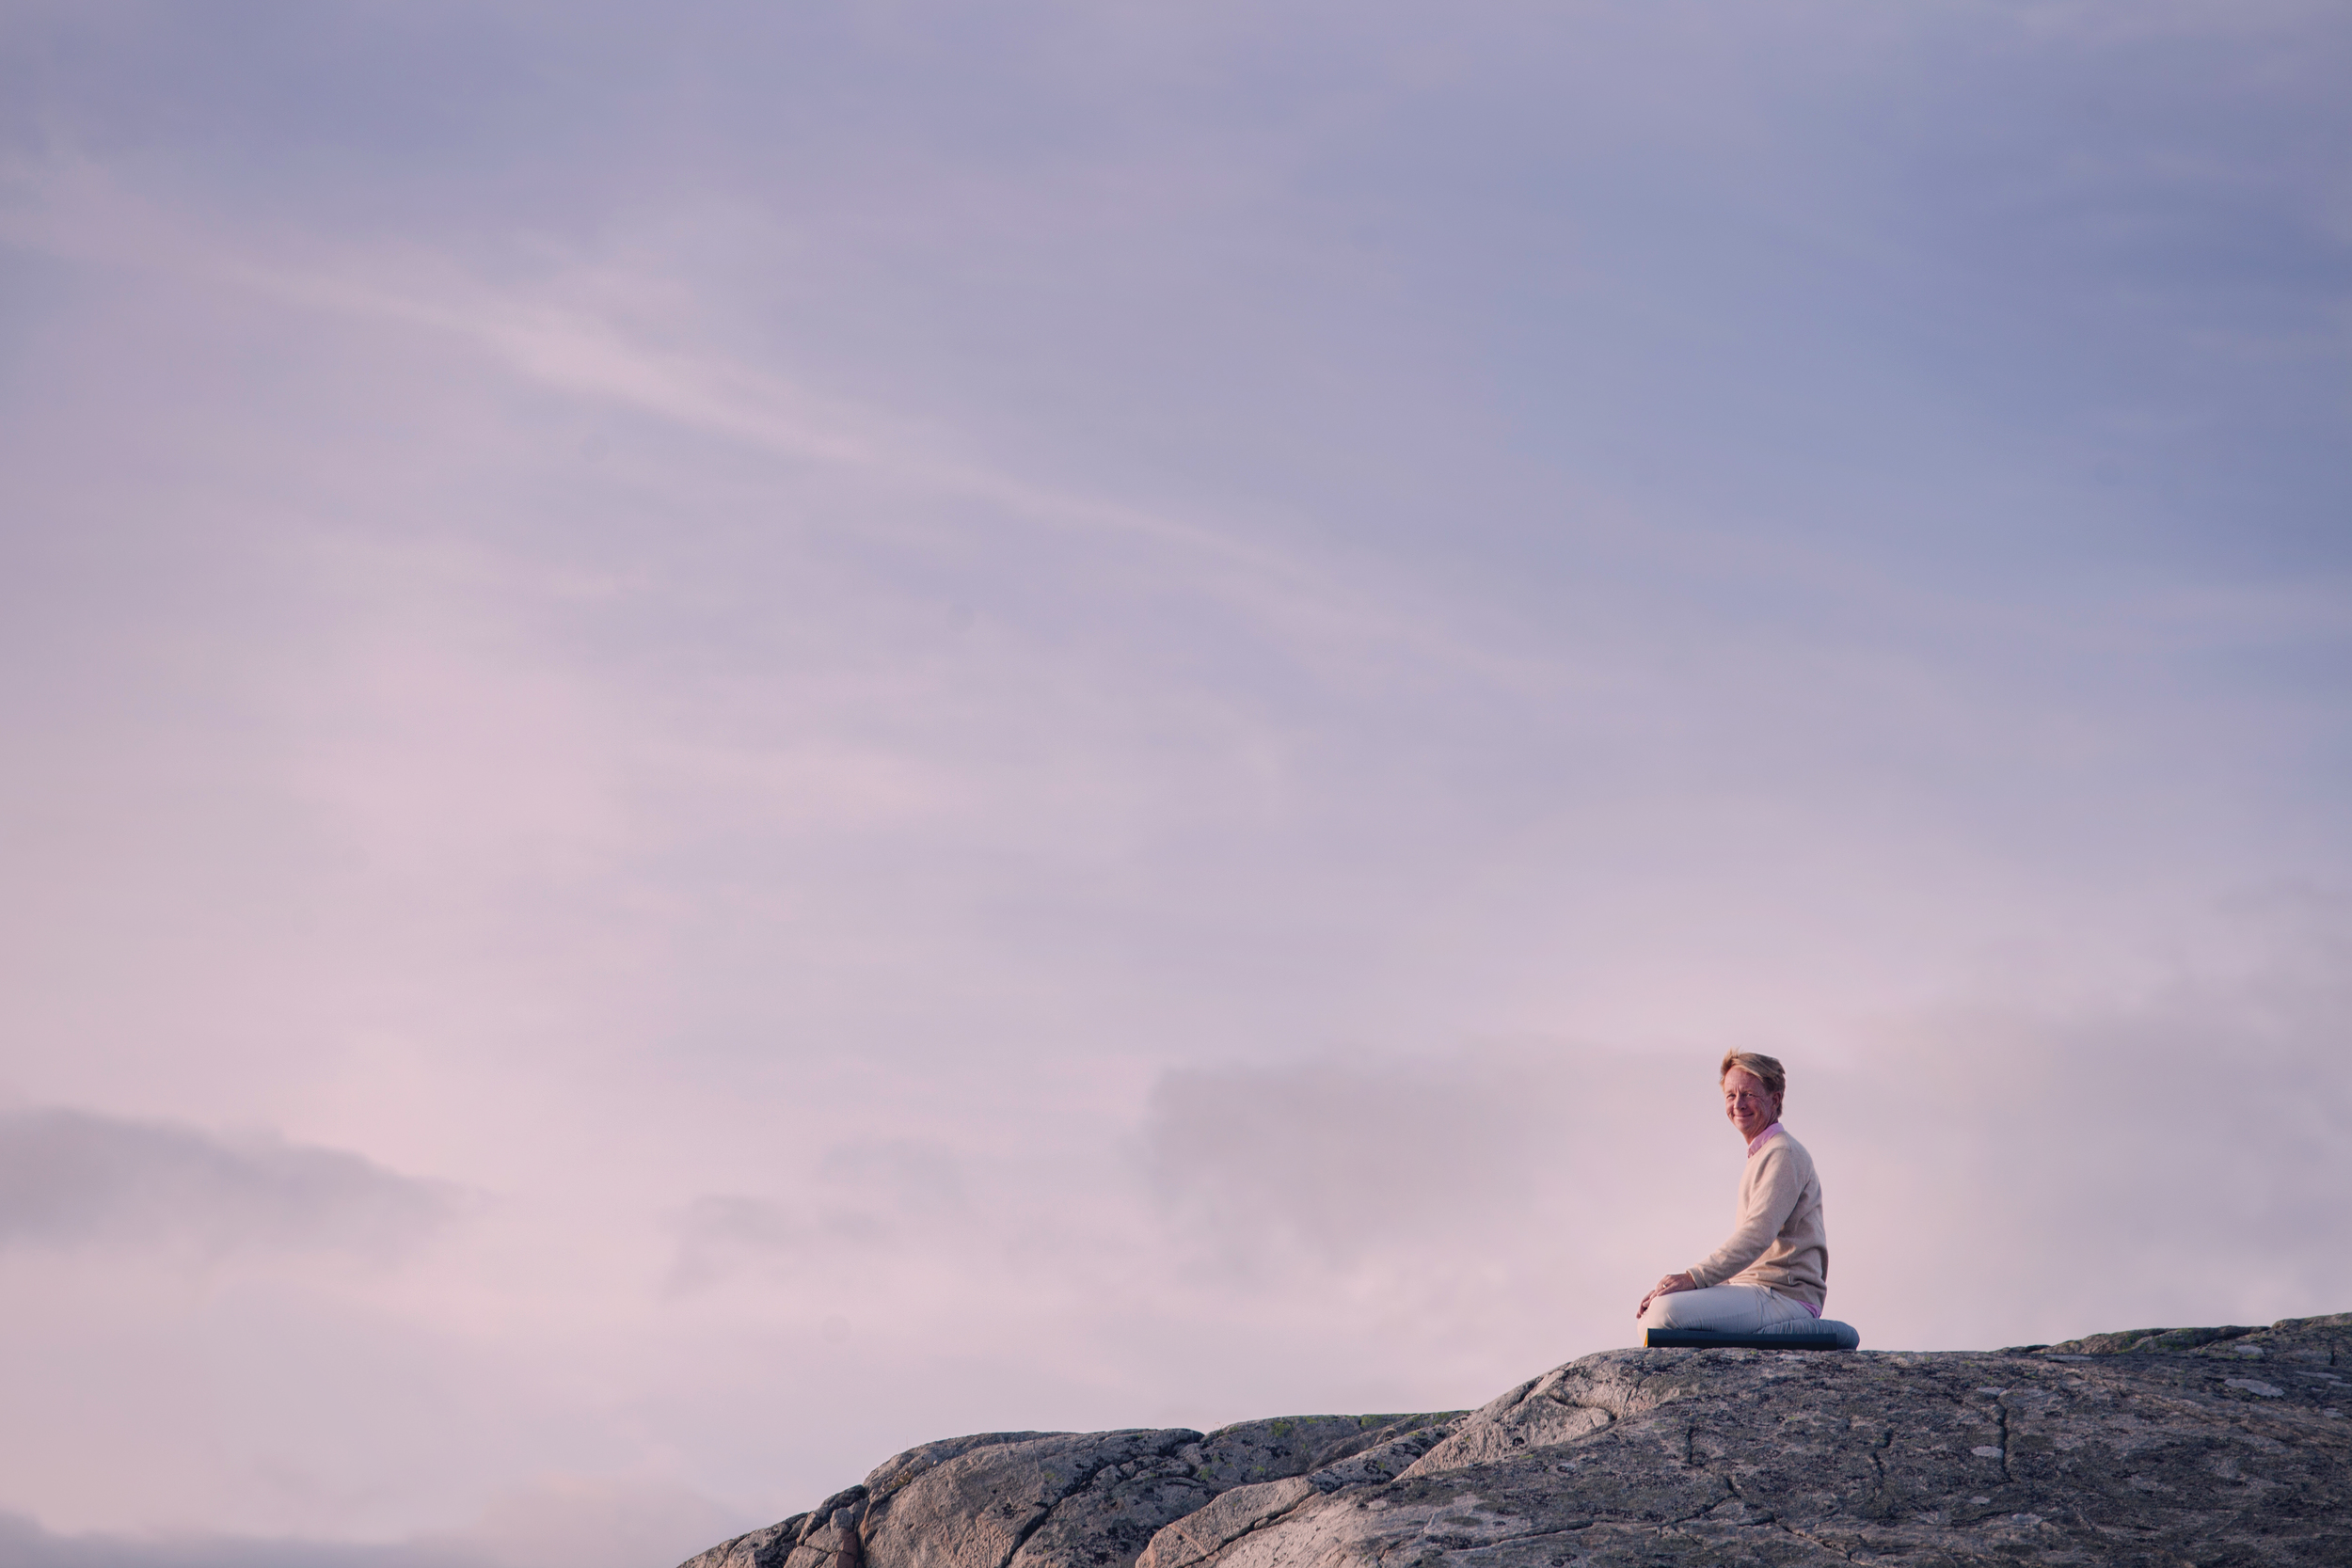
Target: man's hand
(1665, 1286)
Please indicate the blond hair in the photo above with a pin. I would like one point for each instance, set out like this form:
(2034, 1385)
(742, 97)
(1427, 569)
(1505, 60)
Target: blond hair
(1766, 1068)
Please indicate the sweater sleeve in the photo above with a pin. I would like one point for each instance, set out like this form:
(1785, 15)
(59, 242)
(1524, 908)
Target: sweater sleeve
(1767, 1198)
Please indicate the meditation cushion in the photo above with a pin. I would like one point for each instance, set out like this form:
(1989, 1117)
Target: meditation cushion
(1806, 1334)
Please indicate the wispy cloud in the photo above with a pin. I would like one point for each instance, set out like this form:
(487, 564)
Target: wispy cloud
(72, 1178)
(554, 334)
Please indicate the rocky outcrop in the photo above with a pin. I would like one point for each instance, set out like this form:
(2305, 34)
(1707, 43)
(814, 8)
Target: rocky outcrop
(2205, 1446)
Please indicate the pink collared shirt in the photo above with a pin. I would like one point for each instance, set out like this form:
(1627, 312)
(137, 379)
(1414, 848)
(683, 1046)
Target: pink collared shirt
(1754, 1144)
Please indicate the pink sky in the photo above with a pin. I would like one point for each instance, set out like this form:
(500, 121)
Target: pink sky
(737, 738)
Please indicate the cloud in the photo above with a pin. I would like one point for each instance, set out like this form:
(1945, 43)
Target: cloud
(2179, 1156)
(600, 1522)
(865, 1197)
(559, 1522)
(1347, 1156)
(24, 1545)
(72, 1179)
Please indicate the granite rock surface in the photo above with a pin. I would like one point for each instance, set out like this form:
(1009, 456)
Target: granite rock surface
(2198, 1446)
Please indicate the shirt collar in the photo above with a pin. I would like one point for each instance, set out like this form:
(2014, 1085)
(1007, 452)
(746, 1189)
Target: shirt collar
(1762, 1138)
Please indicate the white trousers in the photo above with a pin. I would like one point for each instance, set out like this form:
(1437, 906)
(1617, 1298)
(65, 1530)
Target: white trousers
(1726, 1309)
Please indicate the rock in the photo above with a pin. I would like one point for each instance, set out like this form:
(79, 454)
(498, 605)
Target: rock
(981, 1509)
(1230, 1515)
(2325, 1341)
(2203, 1446)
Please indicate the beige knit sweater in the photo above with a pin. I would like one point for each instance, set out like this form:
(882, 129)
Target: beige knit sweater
(1779, 1241)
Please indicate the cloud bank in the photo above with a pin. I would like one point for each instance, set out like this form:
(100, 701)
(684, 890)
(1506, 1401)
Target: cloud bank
(559, 1522)
(72, 1178)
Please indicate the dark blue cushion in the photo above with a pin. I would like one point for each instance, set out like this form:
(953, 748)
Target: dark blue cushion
(1806, 1334)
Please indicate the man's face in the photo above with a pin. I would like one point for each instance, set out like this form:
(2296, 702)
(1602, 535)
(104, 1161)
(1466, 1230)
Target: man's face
(1747, 1105)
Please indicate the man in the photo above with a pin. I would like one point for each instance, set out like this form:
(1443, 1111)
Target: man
(1775, 1267)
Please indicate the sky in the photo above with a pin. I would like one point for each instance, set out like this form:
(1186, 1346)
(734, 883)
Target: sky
(735, 733)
